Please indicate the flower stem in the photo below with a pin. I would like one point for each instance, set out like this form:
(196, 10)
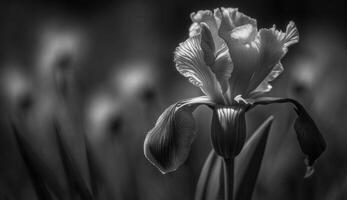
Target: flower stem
(228, 178)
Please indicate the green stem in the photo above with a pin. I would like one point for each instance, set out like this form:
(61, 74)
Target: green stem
(228, 178)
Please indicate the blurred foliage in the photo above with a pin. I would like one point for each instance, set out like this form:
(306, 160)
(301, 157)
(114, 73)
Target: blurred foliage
(123, 77)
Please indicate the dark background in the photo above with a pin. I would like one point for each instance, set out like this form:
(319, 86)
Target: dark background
(127, 39)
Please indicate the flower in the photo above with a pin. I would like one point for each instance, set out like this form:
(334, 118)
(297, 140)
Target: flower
(233, 63)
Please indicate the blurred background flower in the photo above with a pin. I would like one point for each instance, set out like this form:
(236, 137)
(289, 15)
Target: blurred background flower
(123, 75)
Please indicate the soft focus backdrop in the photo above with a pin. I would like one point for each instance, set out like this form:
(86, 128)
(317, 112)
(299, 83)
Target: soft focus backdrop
(123, 77)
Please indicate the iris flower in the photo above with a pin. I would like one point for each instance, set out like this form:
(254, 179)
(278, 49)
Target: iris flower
(233, 63)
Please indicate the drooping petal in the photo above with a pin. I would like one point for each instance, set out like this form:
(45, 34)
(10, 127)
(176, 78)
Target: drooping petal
(189, 59)
(309, 137)
(273, 46)
(211, 19)
(265, 85)
(311, 141)
(167, 145)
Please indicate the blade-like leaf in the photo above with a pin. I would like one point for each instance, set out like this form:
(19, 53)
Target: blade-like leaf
(94, 171)
(248, 162)
(210, 183)
(41, 175)
(73, 175)
(37, 180)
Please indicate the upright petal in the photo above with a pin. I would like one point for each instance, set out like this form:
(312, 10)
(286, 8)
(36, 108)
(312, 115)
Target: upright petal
(220, 61)
(244, 53)
(167, 145)
(223, 67)
(212, 19)
(273, 46)
(189, 59)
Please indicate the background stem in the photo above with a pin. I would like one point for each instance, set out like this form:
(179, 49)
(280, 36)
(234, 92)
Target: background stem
(228, 178)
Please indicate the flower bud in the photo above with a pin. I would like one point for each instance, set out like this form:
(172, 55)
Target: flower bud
(228, 130)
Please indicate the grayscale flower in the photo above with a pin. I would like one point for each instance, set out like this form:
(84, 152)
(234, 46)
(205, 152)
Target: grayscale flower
(233, 63)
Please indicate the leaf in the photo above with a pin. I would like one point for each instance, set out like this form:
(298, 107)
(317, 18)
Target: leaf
(249, 161)
(41, 175)
(73, 175)
(210, 183)
(94, 171)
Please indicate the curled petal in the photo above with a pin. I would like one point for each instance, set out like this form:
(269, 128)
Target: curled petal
(291, 35)
(273, 46)
(189, 59)
(265, 85)
(167, 145)
(194, 29)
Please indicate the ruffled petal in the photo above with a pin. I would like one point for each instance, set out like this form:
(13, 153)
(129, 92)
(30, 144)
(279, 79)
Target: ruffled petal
(273, 46)
(167, 145)
(232, 18)
(189, 59)
(211, 19)
(265, 85)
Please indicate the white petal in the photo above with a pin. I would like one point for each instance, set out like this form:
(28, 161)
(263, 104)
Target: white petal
(189, 59)
(212, 20)
(194, 29)
(232, 18)
(239, 33)
(243, 33)
(273, 46)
